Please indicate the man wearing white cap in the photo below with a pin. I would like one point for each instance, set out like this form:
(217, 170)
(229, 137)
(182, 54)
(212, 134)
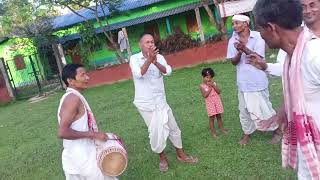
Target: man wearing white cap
(253, 94)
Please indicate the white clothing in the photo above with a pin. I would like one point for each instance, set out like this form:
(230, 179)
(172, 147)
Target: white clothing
(122, 41)
(157, 137)
(240, 17)
(310, 70)
(254, 107)
(149, 88)
(150, 100)
(79, 156)
(249, 78)
(276, 69)
(93, 177)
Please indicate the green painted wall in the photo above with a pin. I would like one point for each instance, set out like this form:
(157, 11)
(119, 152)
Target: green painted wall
(132, 14)
(208, 28)
(155, 8)
(162, 28)
(228, 24)
(179, 20)
(21, 77)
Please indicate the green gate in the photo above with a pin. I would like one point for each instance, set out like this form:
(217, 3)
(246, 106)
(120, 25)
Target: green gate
(29, 77)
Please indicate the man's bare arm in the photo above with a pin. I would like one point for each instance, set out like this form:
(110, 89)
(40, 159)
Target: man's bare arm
(145, 66)
(68, 113)
(160, 67)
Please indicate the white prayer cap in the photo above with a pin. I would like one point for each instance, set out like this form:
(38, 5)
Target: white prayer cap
(240, 17)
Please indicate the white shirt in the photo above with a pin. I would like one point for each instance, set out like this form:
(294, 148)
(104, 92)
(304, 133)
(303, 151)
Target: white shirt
(249, 78)
(149, 88)
(276, 69)
(310, 70)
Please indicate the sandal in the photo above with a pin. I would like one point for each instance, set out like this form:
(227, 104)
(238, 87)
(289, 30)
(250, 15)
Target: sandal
(163, 166)
(188, 159)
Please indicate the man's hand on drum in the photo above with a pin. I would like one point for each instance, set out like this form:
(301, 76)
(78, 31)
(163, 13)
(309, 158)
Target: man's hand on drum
(100, 136)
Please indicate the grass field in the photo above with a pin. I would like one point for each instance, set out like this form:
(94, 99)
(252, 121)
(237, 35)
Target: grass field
(30, 149)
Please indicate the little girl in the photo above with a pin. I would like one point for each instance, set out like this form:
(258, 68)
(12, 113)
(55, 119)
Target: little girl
(210, 91)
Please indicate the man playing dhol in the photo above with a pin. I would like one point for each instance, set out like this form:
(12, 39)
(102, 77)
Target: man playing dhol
(78, 129)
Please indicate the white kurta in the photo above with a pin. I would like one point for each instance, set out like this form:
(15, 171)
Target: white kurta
(276, 69)
(310, 70)
(150, 100)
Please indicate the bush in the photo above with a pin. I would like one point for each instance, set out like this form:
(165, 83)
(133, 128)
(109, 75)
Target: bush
(176, 42)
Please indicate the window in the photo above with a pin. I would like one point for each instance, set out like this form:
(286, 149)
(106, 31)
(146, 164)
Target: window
(19, 62)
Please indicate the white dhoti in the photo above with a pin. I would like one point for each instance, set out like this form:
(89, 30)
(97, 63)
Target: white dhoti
(96, 177)
(79, 158)
(161, 125)
(255, 107)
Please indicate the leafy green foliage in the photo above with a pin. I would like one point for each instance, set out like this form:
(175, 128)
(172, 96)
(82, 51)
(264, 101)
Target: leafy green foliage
(89, 42)
(30, 24)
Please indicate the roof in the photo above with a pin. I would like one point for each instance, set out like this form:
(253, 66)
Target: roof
(70, 19)
(139, 20)
(152, 17)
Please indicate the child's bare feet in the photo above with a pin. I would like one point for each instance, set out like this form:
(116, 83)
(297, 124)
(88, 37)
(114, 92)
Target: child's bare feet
(214, 135)
(245, 139)
(224, 131)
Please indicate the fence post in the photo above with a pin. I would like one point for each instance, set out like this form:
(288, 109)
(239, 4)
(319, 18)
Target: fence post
(35, 75)
(198, 17)
(4, 73)
(124, 29)
(60, 63)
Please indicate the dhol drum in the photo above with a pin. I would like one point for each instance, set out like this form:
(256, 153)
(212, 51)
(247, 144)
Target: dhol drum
(112, 156)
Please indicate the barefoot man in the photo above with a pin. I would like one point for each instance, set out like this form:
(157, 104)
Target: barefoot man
(253, 93)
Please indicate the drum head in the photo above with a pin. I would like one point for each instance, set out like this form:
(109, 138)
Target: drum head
(114, 164)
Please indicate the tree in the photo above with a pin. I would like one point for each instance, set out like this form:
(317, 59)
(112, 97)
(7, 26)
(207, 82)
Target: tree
(98, 8)
(31, 24)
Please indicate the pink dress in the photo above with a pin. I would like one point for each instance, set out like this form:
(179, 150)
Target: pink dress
(213, 102)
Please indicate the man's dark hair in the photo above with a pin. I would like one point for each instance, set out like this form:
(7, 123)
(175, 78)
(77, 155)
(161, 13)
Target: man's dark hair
(285, 13)
(70, 72)
(207, 71)
(143, 34)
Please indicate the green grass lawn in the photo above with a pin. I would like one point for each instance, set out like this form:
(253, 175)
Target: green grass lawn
(30, 149)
